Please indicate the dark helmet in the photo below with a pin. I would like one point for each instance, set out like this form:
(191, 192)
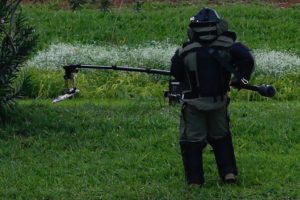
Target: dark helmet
(205, 16)
(206, 25)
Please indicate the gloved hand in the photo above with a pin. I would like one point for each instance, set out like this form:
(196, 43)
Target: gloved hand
(238, 82)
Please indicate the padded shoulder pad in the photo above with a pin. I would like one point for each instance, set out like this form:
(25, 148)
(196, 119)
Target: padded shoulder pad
(230, 34)
(186, 43)
(225, 40)
(188, 48)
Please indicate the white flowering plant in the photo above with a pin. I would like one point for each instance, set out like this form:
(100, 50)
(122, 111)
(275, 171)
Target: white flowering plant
(272, 67)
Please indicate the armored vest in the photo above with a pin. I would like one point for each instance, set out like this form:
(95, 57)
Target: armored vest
(204, 76)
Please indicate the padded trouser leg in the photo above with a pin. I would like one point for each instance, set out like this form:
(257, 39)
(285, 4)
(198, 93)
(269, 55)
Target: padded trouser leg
(224, 155)
(192, 160)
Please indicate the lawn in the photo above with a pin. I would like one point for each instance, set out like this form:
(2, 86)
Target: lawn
(128, 149)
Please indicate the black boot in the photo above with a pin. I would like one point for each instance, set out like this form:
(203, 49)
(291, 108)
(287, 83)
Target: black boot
(225, 158)
(192, 161)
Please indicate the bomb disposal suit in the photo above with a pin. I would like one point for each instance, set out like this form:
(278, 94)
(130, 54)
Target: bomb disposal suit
(204, 117)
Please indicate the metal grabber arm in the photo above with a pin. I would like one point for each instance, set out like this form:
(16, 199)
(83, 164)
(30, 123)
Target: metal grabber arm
(263, 89)
(70, 75)
(71, 70)
(70, 83)
(175, 88)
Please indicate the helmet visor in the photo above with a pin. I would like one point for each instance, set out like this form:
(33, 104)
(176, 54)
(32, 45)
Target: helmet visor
(195, 24)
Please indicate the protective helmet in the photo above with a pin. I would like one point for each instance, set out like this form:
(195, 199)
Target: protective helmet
(205, 16)
(206, 25)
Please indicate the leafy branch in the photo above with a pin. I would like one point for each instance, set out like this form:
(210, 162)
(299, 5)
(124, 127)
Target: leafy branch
(17, 41)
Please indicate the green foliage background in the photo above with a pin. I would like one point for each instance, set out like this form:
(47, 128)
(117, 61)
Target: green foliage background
(261, 27)
(17, 41)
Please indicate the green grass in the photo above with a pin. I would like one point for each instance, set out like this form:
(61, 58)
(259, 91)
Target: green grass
(259, 26)
(96, 84)
(113, 149)
(121, 85)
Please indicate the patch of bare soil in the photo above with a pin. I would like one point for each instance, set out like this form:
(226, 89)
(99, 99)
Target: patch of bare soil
(285, 3)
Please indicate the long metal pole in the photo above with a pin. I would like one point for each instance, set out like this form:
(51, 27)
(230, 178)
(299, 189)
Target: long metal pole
(265, 90)
(121, 68)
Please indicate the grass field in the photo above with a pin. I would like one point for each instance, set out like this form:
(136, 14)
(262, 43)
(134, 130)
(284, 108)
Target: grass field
(128, 150)
(261, 27)
(119, 139)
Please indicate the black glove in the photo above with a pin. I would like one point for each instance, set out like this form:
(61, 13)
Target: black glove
(238, 83)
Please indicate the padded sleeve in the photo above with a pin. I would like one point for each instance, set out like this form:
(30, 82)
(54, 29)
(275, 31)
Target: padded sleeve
(177, 67)
(242, 60)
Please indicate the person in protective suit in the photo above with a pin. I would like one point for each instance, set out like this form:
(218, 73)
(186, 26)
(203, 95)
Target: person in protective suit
(205, 65)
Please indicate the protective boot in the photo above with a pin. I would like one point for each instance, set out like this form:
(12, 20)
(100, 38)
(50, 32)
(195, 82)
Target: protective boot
(225, 158)
(192, 161)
